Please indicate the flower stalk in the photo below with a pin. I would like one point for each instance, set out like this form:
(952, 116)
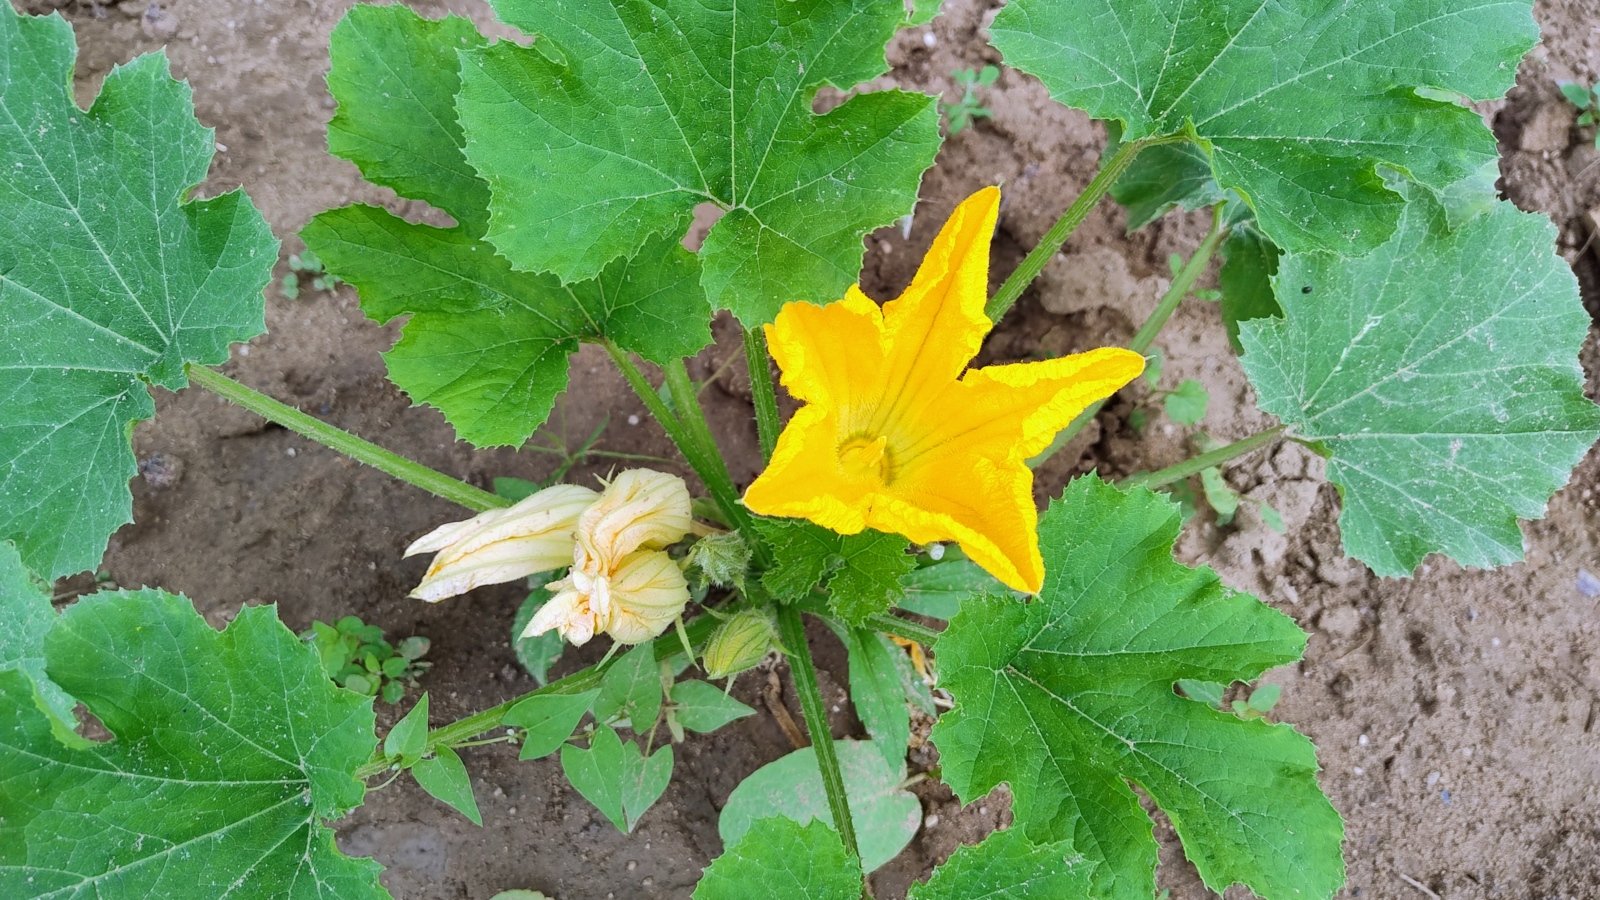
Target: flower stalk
(762, 392)
(1111, 168)
(792, 632)
(341, 441)
(1182, 285)
(1197, 464)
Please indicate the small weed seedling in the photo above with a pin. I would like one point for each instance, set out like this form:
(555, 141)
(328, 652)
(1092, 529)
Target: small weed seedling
(303, 268)
(962, 113)
(1587, 100)
(356, 656)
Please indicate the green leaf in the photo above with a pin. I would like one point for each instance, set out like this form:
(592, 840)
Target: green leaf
(550, 719)
(779, 857)
(877, 691)
(1265, 697)
(1249, 261)
(886, 816)
(409, 736)
(486, 345)
(1187, 404)
(618, 779)
(1163, 178)
(1440, 374)
(26, 616)
(1070, 698)
(537, 653)
(108, 283)
(445, 779)
(921, 12)
(1222, 498)
(642, 110)
(1006, 866)
(704, 707)
(631, 689)
(1304, 106)
(938, 590)
(231, 750)
(1578, 95)
(1207, 692)
(862, 571)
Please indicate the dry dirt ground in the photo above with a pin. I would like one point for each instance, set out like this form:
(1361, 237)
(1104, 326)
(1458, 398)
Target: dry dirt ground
(1456, 712)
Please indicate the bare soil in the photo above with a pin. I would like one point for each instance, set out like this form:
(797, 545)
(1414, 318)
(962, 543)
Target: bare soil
(1455, 712)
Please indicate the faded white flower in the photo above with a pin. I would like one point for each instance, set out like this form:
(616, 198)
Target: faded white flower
(535, 535)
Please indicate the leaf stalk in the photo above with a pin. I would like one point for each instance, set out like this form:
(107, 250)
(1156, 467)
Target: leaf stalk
(762, 391)
(1196, 464)
(341, 441)
(792, 631)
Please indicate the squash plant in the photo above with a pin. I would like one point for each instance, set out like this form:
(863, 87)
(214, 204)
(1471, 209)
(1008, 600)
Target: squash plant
(1393, 315)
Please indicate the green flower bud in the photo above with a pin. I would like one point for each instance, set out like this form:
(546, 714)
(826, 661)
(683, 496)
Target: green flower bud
(740, 643)
(723, 558)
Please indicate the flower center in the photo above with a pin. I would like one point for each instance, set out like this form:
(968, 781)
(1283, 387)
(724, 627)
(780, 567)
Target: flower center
(867, 458)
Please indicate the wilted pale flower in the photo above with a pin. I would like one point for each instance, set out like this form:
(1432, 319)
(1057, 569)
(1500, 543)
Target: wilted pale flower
(535, 535)
(633, 602)
(640, 509)
(622, 582)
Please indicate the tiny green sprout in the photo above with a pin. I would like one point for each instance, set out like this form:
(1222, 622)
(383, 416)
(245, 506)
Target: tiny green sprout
(1260, 702)
(357, 658)
(304, 267)
(1152, 368)
(1221, 497)
(1186, 404)
(1587, 100)
(969, 108)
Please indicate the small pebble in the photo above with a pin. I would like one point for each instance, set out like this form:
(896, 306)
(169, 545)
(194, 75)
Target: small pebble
(932, 821)
(1445, 796)
(1588, 584)
(291, 453)
(633, 420)
(928, 40)
(1433, 778)
(1362, 740)
(936, 552)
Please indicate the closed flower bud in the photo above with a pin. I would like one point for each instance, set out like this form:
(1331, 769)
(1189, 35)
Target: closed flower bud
(740, 643)
(535, 535)
(633, 603)
(640, 509)
(724, 558)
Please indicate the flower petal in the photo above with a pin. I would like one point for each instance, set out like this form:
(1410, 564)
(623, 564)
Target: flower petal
(1015, 411)
(827, 352)
(535, 535)
(936, 327)
(805, 480)
(648, 591)
(567, 611)
(639, 509)
(986, 508)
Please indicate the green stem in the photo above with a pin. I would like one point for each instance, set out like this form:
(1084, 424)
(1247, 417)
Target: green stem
(762, 391)
(1182, 284)
(1111, 168)
(692, 439)
(414, 473)
(903, 628)
(792, 631)
(1197, 464)
(582, 680)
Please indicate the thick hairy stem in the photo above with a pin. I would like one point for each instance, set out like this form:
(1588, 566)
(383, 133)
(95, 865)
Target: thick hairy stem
(792, 631)
(1196, 464)
(1111, 168)
(762, 391)
(337, 439)
(1182, 284)
(692, 437)
(460, 731)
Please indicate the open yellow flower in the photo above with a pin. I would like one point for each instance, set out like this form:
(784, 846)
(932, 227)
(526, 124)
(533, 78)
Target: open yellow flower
(897, 434)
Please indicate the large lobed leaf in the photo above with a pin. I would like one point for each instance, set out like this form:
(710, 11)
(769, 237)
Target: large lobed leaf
(626, 114)
(1007, 866)
(1440, 374)
(1299, 104)
(486, 345)
(26, 616)
(230, 750)
(1069, 698)
(108, 282)
(779, 857)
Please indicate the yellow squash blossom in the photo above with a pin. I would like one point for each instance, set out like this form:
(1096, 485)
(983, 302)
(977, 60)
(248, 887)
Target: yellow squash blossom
(639, 510)
(535, 535)
(898, 435)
